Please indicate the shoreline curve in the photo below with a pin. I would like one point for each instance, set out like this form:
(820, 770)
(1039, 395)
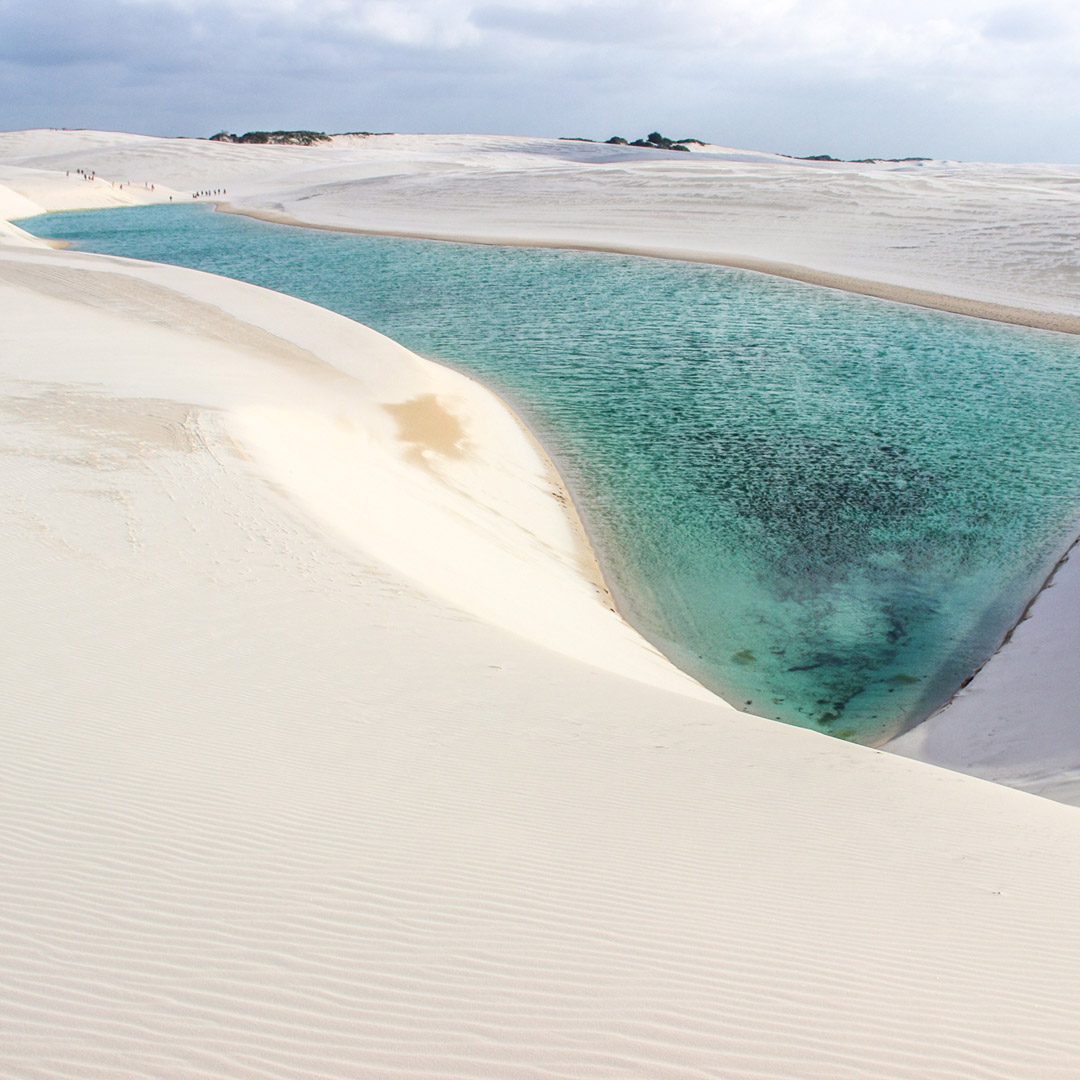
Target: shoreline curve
(1055, 322)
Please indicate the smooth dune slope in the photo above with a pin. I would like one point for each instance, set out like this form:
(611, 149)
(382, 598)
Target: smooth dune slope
(415, 463)
(287, 793)
(1016, 722)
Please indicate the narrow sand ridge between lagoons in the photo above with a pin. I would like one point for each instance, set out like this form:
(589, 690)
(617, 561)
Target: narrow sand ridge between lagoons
(900, 294)
(297, 783)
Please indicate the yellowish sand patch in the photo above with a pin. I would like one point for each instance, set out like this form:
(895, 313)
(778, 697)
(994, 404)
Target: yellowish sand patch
(428, 427)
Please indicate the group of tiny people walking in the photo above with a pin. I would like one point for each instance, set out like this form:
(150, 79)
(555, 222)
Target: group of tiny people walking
(90, 174)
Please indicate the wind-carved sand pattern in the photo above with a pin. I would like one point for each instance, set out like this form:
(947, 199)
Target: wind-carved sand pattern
(117, 427)
(273, 806)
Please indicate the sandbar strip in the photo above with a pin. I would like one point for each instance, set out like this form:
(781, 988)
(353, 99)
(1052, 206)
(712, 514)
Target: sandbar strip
(900, 294)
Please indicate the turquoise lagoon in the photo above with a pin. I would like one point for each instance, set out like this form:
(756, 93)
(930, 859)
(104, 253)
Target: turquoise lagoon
(828, 508)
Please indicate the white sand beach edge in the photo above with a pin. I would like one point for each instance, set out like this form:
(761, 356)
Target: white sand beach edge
(279, 801)
(1016, 721)
(899, 294)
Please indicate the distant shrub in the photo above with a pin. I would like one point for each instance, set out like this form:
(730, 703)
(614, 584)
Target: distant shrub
(656, 141)
(617, 140)
(278, 138)
(858, 161)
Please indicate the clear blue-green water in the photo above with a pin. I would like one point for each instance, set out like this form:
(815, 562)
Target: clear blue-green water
(826, 507)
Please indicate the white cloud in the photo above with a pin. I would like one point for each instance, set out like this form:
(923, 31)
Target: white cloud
(781, 72)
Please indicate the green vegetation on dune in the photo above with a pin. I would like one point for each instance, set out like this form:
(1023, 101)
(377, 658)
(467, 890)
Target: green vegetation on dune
(277, 138)
(856, 161)
(655, 141)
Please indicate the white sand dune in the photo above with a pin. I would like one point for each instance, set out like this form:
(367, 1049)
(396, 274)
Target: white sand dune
(324, 755)
(944, 233)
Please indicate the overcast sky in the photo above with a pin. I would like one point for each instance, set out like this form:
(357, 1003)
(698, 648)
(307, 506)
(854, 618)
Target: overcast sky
(889, 78)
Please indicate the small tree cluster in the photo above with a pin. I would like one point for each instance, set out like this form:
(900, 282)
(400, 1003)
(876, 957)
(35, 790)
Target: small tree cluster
(277, 138)
(655, 141)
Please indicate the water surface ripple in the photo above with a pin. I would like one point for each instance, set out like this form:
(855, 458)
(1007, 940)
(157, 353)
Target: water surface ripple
(826, 507)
